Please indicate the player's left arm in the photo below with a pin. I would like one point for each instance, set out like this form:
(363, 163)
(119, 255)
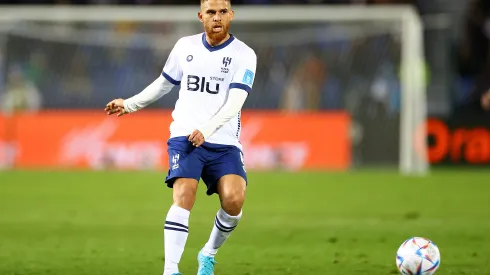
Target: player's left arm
(240, 87)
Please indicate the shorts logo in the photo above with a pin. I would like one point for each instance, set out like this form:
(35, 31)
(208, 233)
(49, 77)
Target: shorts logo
(175, 160)
(248, 78)
(243, 161)
(189, 58)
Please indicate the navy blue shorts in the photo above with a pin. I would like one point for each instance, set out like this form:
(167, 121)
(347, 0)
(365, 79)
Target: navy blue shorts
(208, 161)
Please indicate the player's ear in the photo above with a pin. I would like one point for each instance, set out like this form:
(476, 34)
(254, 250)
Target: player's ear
(232, 14)
(199, 15)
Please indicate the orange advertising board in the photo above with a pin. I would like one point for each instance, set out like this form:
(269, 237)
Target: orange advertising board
(88, 139)
(3, 127)
(7, 142)
(462, 140)
(3, 141)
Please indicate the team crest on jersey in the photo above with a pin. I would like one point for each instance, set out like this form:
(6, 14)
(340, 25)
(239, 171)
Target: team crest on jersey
(226, 62)
(248, 78)
(189, 58)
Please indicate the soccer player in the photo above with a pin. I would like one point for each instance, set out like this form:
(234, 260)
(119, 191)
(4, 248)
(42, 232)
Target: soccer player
(215, 72)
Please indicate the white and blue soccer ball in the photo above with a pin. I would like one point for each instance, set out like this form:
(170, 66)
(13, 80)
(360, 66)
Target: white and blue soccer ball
(418, 256)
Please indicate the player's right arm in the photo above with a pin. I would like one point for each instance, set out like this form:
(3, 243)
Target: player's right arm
(171, 76)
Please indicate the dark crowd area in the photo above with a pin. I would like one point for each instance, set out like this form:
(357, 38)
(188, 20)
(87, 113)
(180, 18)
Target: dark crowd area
(193, 2)
(457, 62)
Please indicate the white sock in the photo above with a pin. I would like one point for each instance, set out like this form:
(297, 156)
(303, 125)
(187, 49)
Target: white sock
(224, 224)
(175, 237)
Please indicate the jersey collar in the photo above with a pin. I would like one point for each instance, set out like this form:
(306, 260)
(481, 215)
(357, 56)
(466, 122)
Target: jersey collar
(219, 47)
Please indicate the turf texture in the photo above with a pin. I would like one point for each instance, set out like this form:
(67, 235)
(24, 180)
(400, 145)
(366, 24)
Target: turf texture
(74, 223)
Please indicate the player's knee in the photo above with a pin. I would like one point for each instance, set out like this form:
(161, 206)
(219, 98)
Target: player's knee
(233, 203)
(232, 190)
(184, 193)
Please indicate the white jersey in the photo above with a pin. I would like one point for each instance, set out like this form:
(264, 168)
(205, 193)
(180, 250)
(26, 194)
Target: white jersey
(206, 75)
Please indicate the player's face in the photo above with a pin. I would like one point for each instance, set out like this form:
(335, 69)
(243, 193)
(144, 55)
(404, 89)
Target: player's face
(216, 16)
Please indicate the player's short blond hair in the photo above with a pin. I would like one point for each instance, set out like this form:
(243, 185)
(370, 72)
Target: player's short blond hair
(202, 1)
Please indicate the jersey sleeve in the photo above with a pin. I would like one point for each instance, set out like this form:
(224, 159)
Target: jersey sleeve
(245, 73)
(172, 70)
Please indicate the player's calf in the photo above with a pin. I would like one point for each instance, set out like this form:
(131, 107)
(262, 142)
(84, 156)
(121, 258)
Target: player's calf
(224, 224)
(177, 223)
(231, 190)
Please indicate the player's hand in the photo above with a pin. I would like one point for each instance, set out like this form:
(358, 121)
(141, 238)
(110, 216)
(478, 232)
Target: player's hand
(116, 106)
(197, 138)
(485, 101)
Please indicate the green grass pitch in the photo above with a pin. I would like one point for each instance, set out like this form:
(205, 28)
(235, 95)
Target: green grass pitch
(109, 223)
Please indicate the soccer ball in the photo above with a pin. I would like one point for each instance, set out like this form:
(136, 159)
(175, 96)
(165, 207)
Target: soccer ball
(418, 256)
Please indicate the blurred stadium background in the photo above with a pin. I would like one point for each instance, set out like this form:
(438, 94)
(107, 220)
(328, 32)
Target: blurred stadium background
(83, 193)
